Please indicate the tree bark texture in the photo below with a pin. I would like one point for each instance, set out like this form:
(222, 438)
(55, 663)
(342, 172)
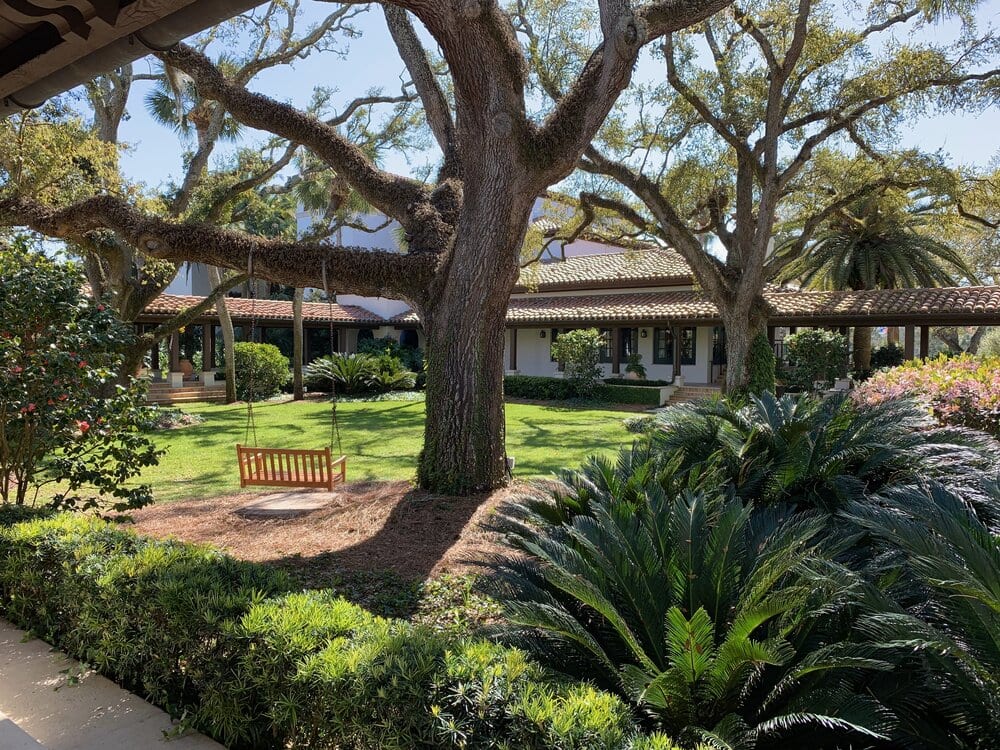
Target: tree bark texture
(862, 348)
(228, 337)
(298, 392)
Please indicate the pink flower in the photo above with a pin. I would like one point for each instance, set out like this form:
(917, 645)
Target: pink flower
(31, 407)
(84, 425)
(83, 363)
(17, 369)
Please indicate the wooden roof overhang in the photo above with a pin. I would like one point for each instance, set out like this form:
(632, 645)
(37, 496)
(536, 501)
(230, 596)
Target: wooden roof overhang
(49, 47)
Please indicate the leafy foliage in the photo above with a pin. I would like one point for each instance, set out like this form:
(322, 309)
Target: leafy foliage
(579, 352)
(962, 391)
(261, 370)
(358, 373)
(224, 647)
(819, 453)
(62, 417)
(956, 628)
(815, 355)
(760, 366)
(700, 614)
(890, 355)
(410, 358)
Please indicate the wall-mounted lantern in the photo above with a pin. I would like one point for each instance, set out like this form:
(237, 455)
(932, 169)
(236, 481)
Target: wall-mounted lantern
(541, 333)
(643, 333)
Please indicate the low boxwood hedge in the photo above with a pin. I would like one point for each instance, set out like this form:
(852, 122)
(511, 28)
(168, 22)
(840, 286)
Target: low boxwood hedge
(541, 388)
(227, 647)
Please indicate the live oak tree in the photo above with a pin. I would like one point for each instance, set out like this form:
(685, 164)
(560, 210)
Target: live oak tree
(767, 120)
(463, 231)
(225, 192)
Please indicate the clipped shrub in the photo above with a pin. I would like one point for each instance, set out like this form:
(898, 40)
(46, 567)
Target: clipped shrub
(261, 370)
(815, 356)
(962, 391)
(539, 388)
(225, 646)
(579, 352)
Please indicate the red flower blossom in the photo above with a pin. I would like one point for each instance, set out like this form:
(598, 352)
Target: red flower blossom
(84, 425)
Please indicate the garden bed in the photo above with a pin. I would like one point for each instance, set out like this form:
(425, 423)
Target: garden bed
(385, 526)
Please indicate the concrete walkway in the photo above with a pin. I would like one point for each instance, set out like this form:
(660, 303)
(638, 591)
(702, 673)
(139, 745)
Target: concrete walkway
(47, 702)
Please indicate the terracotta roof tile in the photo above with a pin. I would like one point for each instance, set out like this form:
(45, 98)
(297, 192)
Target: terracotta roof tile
(268, 309)
(788, 305)
(650, 267)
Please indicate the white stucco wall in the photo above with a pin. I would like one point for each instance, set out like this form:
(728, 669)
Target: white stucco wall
(533, 356)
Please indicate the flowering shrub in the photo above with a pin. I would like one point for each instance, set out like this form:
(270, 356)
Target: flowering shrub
(63, 418)
(962, 391)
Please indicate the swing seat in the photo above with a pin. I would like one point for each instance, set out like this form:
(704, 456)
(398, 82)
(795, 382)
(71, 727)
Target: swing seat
(284, 467)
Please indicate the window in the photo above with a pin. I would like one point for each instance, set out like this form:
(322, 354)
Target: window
(688, 341)
(408, 339)
(663, 346)
(318, 342)
(628, 342)
(718, 345)
(607, 340)
(281, 338)
(366, 334)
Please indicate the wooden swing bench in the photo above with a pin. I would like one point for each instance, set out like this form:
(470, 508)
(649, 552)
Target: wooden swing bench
(282, 467)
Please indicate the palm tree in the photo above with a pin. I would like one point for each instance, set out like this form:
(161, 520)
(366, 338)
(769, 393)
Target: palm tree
(874, 245)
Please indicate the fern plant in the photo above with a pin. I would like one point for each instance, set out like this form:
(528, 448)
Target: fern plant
(702, 612)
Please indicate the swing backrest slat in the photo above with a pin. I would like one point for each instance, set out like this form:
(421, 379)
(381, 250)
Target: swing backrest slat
(286, 467)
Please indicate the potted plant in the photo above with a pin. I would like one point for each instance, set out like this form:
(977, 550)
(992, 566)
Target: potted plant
(634, 369)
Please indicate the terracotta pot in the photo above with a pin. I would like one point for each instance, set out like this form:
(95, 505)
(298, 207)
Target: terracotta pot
(186, 367)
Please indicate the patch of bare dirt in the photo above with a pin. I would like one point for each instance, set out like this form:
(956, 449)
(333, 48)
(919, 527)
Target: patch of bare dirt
(370, 526)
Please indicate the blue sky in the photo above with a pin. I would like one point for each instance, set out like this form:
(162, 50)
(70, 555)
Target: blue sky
(155, 155)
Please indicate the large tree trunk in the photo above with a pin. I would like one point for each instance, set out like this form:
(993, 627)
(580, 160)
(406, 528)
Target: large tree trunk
(464, 431)
(743, 321)
(228, 336)
(862, 348)
(297, 335)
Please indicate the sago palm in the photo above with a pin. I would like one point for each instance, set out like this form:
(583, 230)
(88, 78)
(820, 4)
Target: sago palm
(954, 625)
(820, 452)
(705, 614)
(873, 245)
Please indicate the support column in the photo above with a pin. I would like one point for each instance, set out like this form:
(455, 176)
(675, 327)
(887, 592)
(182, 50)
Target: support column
(175, 376)
(925, 341)
(675, 332)
(208, 353)
(616, 351)
(908, 342)
(513, 350)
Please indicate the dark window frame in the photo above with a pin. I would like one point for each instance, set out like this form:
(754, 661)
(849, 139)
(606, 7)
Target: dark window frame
(667, 335)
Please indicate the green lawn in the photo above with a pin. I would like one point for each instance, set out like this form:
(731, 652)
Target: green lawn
(381, 440)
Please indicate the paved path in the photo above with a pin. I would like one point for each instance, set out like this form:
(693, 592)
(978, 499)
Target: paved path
(41, 710)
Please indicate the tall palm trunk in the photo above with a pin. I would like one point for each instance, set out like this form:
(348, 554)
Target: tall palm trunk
(297, 341)
(228, 336)
(862, 348)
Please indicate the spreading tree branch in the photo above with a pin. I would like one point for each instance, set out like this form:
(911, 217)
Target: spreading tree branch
(349, 269)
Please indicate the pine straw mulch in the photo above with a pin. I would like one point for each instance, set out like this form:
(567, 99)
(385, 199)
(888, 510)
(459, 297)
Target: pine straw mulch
(369, 527)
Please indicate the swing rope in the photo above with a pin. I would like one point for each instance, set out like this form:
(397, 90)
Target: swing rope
(251, 428)
(334, 425)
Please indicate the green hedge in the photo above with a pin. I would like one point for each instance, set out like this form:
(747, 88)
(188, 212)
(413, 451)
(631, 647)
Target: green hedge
(226, 645)
(557, 389)
(636, 383)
